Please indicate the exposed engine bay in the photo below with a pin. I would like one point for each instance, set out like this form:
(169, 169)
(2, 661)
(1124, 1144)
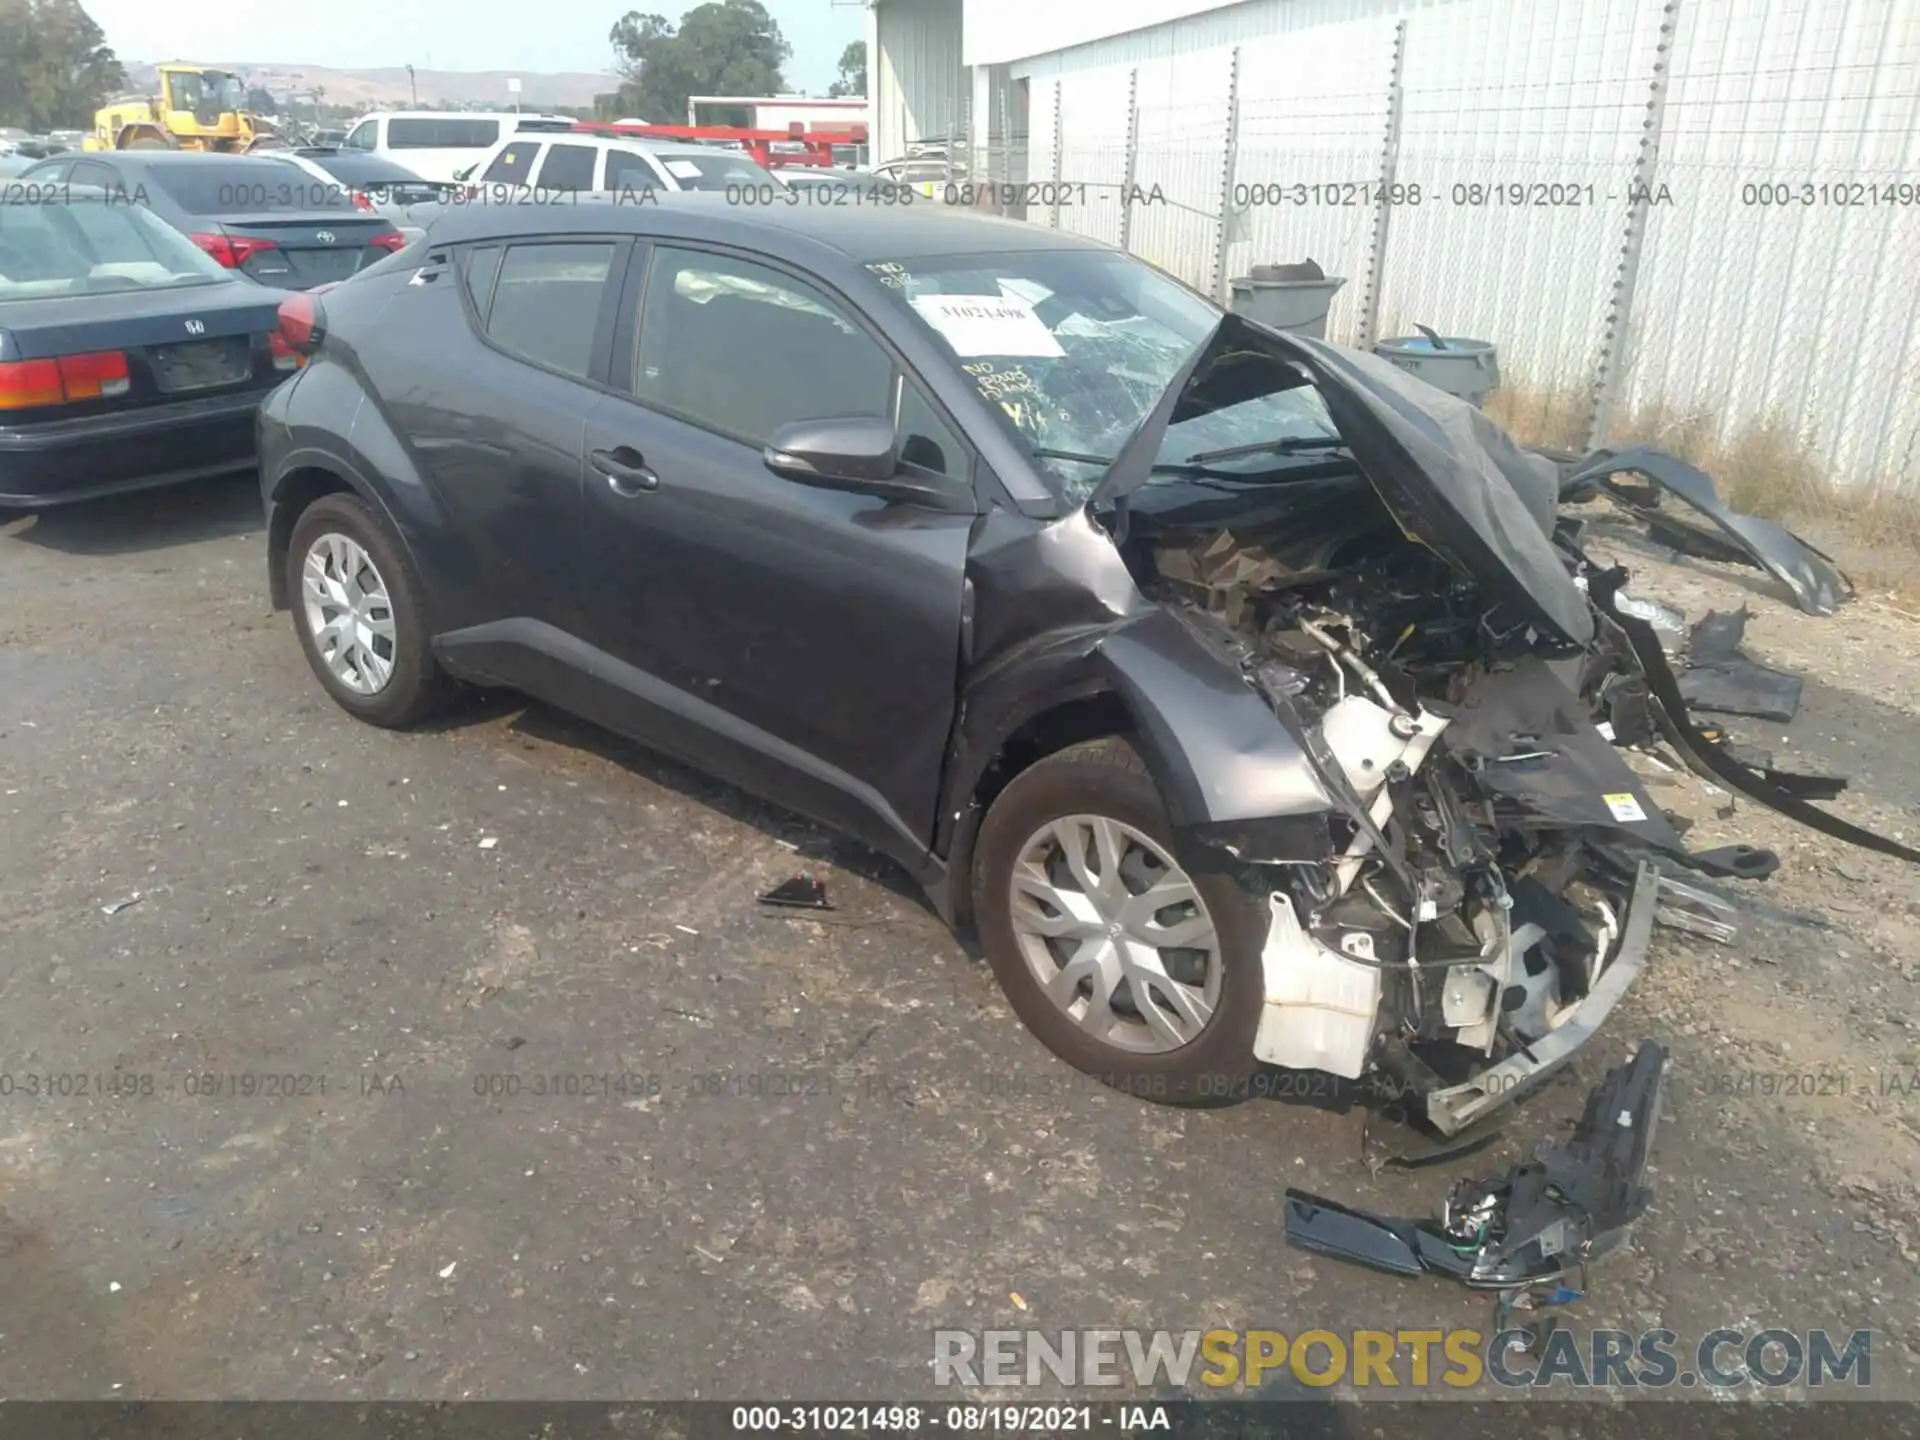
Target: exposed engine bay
(1409, 600)
(1452, 916)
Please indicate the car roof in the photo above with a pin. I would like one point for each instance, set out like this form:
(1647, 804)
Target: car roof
(178, 157)
(858, 233)
(452, 115)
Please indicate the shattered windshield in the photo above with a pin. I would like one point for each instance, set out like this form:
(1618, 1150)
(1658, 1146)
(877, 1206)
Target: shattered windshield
(1072, 348)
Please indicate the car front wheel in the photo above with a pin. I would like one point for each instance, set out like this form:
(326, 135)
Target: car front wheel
(1124, 964)
(357, 610)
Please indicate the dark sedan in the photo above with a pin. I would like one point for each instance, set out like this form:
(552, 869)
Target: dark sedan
(256, 214)
(128, 357)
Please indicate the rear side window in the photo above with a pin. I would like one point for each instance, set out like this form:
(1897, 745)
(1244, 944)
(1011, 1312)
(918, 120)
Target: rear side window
(480, 269)
(716, 171)
(568, 167)
(366, 171)
(513, 165)
(463, 133)
(413, 135)
(547, 303)
(443, 132)
(627, 171)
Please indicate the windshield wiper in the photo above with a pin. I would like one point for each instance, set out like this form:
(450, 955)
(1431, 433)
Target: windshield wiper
(1042, 453)
(1166, 467)
(1287, 445)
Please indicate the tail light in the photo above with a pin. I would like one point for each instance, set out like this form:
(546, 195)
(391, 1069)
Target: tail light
(302, 327)
(100, 375)
(232, 251)
(362, 201)
(284, 356)
(394, 242)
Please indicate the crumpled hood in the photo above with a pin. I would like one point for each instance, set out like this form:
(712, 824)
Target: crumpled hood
(1453, 479)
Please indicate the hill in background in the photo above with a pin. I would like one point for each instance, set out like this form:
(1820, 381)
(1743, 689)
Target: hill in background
(387, 87)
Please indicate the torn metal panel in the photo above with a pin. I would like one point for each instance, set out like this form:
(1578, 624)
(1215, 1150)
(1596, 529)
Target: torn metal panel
(1817, 585)
(1711, 760)
(1530, 739)
(1741, 687)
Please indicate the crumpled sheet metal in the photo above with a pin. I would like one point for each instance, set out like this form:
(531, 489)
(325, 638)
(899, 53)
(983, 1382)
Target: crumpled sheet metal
(1818, 586)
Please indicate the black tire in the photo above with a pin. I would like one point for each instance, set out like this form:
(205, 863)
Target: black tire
(1106, 777)
(417, 687)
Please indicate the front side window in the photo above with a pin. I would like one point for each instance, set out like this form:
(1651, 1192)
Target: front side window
(513, 165)
(547, 303)
(743, 349)
(363, 136)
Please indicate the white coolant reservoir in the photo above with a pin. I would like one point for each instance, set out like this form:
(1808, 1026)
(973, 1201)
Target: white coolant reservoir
(1320, 1005)
(1360, 735)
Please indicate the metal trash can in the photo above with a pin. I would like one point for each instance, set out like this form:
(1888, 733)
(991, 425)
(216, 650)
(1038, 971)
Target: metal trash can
(1469, 369)
(1297, 306)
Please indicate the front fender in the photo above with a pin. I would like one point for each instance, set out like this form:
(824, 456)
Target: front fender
(1217, 750)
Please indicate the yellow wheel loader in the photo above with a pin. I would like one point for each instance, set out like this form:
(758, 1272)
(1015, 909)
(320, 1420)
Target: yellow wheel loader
(196, 108)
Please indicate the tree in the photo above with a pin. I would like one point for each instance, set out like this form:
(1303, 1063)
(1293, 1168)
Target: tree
(724, 47)
(55, 65)
(853, 73)
(260, 102)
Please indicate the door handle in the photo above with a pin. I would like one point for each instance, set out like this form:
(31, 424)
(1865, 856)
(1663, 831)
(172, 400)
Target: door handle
(627, 474)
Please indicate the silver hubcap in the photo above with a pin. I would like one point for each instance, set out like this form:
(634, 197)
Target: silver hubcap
(348, 613)
(1116, 934)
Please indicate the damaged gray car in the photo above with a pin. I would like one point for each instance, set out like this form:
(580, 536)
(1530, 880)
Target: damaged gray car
(1243, 693)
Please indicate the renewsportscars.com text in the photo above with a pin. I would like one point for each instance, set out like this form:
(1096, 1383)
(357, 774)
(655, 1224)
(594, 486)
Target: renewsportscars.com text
(1403, 1359)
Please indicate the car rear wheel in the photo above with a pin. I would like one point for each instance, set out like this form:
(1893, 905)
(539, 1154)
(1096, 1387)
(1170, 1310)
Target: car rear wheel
(356, 608)
(1122, 962)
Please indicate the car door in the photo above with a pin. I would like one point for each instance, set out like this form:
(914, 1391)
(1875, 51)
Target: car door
(628, 173)
(800, 641)
(489, 373)
(567, 167)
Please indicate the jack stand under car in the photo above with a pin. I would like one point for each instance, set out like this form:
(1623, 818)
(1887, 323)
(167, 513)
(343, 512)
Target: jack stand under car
(1521, 1234)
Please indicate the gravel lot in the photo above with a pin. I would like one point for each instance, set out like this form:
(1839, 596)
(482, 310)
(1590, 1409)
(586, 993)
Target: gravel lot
(852, 1141)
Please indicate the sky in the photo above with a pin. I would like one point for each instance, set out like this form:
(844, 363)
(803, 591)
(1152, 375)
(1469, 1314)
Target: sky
(531, 35)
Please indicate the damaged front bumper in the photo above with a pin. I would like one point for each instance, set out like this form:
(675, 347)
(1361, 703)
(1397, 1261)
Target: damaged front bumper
(1458, 1107)
(1543, 1220)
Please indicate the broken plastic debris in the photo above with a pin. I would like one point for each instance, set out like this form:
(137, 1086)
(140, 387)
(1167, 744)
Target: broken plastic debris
(686, 929)
(799, 892)
(118, 905)
(489, 842)
(447, 1274)
(1019, 1301)
(113, 1287)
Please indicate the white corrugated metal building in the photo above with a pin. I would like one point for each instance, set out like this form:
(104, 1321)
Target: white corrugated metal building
(1765, 276)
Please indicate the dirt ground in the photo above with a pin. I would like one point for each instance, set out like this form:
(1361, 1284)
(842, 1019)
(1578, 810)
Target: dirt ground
(833, 1137)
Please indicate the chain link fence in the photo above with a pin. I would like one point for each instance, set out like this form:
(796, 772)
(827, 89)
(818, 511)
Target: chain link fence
(1692, 221)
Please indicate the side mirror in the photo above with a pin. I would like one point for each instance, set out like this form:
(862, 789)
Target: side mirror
(860, 454)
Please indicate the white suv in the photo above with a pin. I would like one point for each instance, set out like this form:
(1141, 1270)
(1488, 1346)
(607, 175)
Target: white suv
(433, 144)
(589, 162)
